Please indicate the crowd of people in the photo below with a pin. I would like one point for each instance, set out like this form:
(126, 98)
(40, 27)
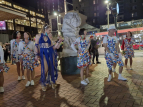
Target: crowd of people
(26, 55)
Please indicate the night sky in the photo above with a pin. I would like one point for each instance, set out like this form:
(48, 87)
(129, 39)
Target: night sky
(27, 3)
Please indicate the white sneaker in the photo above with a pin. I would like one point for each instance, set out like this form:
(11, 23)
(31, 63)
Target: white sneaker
(23, 77)
(32, 82)
(1, 89)
(83, 82)
(19, 78)
(109, 78)
(113, 70)
(121, 78)
(130, 68)
(87, 81)
(27, 84)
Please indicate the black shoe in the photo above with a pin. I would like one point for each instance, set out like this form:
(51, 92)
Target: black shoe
(98, 62)
(93, 63)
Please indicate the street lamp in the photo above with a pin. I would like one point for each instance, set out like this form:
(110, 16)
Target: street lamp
(107, 2)
(58, 15)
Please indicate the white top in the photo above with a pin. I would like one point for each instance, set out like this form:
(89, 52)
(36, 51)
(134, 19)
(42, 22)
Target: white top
(11, 44)
(110, 38)
(1, 55)
(77, 41)
(30, 47)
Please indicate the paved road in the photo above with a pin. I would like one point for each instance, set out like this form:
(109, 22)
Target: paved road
(69, 93)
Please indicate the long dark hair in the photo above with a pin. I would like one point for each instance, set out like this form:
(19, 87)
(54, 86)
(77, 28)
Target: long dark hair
(130, 34)
(29, 35)
(15, 34)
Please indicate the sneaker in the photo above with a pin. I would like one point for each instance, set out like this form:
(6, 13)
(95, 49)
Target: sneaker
(32, 82)
(121, 78)
(130, 68)
(126, 67)
(83, 82)
(1, 89)
(19, 78)
(98, 62)
(87, 81)
(23, 77)
(109, 78)
(27, 84)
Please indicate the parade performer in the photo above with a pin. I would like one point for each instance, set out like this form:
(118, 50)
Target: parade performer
(127, 46)
(113, 54)
(45, 48)
(3, 67)
(14, 53)
(83, 60)
(27, 57)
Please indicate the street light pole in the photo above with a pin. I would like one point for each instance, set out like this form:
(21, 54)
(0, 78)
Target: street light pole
(108, 13)
(65, 5)
(107, 2)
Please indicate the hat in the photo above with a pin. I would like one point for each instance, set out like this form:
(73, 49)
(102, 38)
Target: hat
(111, 27)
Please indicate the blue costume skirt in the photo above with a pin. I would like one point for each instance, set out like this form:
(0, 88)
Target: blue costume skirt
(51, 59)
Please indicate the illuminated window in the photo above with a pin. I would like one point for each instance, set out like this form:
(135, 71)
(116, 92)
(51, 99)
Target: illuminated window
(93, 1)
(94, 14)
(32, 13)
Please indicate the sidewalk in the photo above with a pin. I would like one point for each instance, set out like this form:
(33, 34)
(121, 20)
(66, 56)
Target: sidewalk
(69, 92)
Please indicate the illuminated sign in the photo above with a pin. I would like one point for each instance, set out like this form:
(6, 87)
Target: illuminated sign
(2, 25)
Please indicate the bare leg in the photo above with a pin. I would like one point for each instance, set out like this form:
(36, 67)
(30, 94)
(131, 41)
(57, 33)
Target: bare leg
(81, 73)
(32, 74)
(28, 74)
(18, 68)
(110, 72)
(126, 61)
(1, 79)
(131, 61)
(22, 69)
(87, 71)
(114, 65)
(120, 70)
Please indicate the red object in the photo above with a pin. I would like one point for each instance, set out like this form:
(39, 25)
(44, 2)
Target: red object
(121, 31)
(123, 43)
(91, 36)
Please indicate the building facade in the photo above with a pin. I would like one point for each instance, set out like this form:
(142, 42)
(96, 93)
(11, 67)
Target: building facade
(95, 10)
(32, 22)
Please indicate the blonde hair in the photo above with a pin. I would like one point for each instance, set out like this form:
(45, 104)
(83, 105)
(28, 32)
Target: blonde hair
(46, 26)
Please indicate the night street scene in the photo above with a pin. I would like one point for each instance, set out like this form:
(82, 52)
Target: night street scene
(71, 53)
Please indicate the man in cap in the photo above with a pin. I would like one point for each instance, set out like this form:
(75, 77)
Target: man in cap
(113, 54)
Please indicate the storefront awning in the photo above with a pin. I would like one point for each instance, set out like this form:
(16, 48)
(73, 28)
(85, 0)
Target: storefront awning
(121, 31)
(7, 13)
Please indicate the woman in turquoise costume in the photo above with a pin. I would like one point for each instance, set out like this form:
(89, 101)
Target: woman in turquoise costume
(45, 49)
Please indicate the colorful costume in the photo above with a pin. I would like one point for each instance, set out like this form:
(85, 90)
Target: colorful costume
(128, 45)
(5, 67)
(26, 52)
(47, 51)
(112, 57)
(84, 58)
(14, 51)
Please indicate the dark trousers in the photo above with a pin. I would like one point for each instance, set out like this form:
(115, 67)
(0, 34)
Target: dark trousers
(95, 54)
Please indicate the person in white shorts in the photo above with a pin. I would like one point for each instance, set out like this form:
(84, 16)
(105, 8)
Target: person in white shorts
(113, 54)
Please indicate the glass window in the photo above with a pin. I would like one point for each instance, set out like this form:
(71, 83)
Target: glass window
(95, 14)
(10, 26)
(93, 1)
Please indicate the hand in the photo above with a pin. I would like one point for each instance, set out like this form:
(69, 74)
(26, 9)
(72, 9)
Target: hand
(60, 39)
(37, 58)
